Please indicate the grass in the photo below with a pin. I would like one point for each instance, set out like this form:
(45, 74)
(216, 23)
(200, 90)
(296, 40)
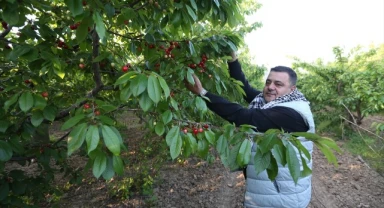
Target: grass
(370, 148)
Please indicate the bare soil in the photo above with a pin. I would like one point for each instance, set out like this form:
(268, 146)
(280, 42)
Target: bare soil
(197, 184)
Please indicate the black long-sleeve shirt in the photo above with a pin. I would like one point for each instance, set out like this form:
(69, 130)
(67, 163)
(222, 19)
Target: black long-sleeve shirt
(263, 119)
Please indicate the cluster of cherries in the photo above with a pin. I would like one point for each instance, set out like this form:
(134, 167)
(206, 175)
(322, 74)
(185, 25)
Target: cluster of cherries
(74, 26)
(196, 130)
(62, 44)
(87, 106)
(168, 51)
(201, 64)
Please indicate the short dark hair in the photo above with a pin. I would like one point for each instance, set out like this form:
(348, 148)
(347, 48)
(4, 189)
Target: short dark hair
(292, 74)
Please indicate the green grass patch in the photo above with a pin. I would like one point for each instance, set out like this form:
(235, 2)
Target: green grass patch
(370, 148)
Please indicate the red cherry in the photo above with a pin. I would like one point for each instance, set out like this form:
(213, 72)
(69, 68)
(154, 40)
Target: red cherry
(97, 113)
(201, 130)
(126, 22)
(27, 81)
(84, 3)
(73, 27)
(86, 106)
(81, 66)
(44, 94)
(206, 126)
(195, 131)
(124, 68)
(185, 130)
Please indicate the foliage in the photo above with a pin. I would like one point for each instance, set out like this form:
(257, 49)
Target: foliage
(351, 86)
(83, 62)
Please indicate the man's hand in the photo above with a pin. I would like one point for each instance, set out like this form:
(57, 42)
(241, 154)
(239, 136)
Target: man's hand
(197, 88)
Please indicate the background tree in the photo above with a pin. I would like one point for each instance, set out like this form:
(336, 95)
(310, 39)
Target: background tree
(351, 86)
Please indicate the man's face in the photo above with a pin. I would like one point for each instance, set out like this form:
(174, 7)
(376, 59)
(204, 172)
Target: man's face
(277, 85)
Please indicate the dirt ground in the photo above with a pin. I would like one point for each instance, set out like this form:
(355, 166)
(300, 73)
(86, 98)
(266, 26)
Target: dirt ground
(197, 184)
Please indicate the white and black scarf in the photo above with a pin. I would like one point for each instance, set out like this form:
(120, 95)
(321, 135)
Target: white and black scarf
(260, 103)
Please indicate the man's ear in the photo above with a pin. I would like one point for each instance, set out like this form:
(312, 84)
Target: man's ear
(293, 87)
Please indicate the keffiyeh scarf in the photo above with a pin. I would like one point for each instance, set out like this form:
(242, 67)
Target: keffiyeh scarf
(260, 103)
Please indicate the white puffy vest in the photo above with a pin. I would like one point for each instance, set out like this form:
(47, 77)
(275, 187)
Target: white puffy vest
(282, 192)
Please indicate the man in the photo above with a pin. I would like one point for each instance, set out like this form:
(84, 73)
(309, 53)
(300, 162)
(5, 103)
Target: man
(279, 106)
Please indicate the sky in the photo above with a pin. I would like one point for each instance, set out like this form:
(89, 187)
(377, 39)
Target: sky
(309, 29)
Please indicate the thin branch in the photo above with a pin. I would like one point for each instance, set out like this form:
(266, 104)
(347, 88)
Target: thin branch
(61, 139)
(5, 32)
(362, 128)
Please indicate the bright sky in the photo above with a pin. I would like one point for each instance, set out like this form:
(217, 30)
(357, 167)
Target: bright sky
(309, 29)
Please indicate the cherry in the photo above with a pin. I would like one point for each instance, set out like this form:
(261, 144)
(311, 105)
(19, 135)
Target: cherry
(206, 126)
(44, 94)
(201, 130)
(81, 66)
(86, 106)
(97, 112)
(27, 81)
(185, 130)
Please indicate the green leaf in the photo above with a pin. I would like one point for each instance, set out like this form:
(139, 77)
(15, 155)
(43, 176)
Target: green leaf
(111, 140)
(200, 104)
(37, 118)
(293, 162)
(82, 31)
(159, 128)
(167, 116)
(100, 27)
(192, 142)
(330, 143)
(191, 48)
(108, 172)
(125, 77)
(5, 151)
(3, 126)
(244, 153)
(18, 51)
(139, 84)
(306, 170)
(172, 134)
(11, 13)
(273, 169)
(193, 4)
(202, 148)
(92, 138)
(149, 38)
(191, 12)
(26, 101)
(4, 190)
(145, 102)
(267, 143)
(164, 86)
(222, 145)
(72, 121)
(175, 147)
(279, 153)
(75, 6)
(190, 76)
(327, 153)
(210, 136)
(76, 138)
(109, 10)
(118, 165)
(11, 101)
(153, 88)
(49, 113)
(261, 161)
(99, 165)
(40, 102)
